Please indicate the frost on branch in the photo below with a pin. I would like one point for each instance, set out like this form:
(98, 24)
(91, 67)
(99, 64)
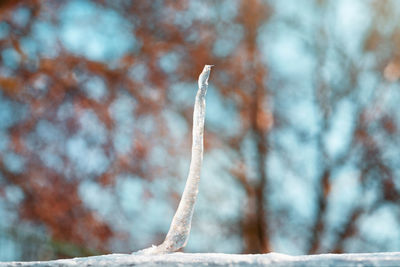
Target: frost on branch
(179, 230)
(215, 259)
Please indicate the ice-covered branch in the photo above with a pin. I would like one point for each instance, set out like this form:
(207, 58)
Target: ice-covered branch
(215, 259)
(178, 233)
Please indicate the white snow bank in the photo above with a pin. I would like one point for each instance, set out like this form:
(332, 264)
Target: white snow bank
(216, 259)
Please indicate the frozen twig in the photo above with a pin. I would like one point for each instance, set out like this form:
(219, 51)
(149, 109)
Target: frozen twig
(180, 227)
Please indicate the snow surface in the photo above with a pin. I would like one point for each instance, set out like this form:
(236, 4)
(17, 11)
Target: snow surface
(216, 259)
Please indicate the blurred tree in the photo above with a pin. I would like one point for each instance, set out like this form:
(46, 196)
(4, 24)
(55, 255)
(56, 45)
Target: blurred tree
(301, 141)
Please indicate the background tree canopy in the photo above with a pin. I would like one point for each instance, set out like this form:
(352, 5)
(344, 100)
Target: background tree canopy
(302, 126)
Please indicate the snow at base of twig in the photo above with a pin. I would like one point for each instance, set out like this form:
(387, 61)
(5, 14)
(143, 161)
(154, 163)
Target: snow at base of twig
(218, 259)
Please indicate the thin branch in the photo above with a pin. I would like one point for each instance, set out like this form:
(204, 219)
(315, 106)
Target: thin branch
(179, 231)
(319, 226)
(349, 229)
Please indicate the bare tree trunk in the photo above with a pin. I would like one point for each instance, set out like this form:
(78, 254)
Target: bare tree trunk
(178, 233)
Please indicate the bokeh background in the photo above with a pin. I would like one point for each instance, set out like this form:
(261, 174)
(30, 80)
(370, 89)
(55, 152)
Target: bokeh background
(302, 125)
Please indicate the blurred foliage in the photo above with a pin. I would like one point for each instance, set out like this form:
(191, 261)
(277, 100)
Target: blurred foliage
(301, 134)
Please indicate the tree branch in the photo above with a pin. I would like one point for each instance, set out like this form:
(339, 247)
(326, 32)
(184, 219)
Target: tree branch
(179, 231)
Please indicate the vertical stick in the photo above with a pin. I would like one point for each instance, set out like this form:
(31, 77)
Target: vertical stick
(179, 230)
